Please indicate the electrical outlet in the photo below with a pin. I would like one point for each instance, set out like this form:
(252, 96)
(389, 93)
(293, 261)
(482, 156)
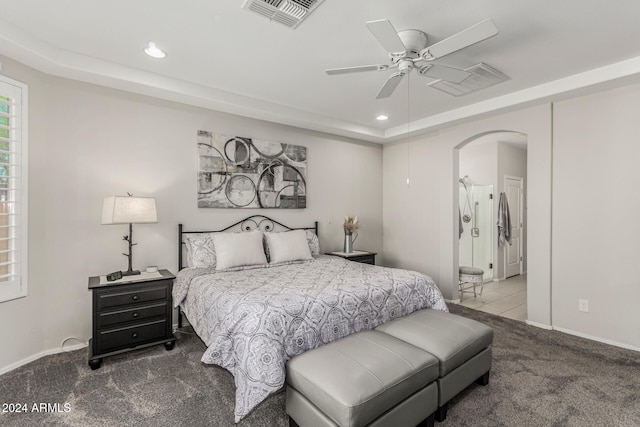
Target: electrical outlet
(583, 305)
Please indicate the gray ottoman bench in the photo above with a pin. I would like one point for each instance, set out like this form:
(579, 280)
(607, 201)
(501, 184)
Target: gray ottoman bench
(463, 347)
(369, 378)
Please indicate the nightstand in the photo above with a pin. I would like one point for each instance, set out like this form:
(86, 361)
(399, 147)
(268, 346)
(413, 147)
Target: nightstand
(131, 313)
(357, 256)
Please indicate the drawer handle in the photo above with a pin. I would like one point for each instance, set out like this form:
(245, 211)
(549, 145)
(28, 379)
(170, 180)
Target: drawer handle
(135, 297)
(136, 314)
(134, 335)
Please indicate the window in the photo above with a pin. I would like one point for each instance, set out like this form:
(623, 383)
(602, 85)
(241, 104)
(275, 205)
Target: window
(13, 186)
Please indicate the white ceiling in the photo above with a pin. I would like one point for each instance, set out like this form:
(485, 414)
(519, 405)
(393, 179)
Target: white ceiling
(224, 57)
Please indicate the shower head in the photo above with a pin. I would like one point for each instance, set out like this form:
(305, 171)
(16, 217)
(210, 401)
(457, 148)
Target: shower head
(464, 180)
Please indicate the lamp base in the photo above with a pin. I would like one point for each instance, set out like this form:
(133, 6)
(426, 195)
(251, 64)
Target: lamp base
(131, 273)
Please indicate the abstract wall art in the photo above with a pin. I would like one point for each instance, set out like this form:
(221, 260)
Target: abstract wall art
(240, 172)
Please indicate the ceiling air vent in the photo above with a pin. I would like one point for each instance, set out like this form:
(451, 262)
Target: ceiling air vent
(482, 76)
(288, 12)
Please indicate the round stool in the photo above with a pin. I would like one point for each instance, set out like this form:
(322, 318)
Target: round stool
(468, 279)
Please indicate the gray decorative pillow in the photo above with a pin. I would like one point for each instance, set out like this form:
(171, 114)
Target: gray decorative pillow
(314, 243)
(200, 250)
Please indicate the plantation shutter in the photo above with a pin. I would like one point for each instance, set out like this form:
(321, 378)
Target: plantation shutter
(12, 190)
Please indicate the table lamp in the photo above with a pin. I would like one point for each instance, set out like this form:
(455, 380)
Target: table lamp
(129, 210)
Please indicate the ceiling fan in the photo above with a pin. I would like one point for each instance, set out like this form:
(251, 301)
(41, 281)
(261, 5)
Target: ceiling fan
(408, 50)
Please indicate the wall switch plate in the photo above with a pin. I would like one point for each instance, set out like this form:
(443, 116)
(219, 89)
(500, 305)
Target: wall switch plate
(583, 305)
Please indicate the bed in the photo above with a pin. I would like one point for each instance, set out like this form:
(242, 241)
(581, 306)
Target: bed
(256, 315)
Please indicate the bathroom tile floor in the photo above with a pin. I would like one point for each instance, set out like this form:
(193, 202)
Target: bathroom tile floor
(507, 298)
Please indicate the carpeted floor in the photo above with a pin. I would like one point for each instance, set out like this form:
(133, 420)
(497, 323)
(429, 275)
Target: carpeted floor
(539, 378)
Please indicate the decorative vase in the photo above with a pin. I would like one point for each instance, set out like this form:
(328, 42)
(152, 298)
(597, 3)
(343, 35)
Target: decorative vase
(348, 241)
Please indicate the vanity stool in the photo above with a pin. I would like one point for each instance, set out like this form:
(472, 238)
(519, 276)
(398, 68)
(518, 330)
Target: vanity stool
(468, 279)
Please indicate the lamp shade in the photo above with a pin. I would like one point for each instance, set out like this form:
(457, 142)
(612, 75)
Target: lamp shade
(129, 210)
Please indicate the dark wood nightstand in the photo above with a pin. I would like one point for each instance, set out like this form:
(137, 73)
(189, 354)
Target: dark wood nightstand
(357, 256)
(131, 313)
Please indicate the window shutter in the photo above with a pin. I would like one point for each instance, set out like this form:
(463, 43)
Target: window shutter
(13, 196)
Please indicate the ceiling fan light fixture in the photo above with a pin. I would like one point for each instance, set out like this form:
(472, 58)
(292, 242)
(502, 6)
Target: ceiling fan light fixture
(423, 69)
(382, 118)
(426, 55)
(154, 51)
(408, 48)
(405, 66)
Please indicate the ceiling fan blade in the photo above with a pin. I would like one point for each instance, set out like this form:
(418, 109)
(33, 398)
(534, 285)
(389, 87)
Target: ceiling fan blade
(472, 35)
(357, 69)
(390, 85)
(442, 72)
(386, 35)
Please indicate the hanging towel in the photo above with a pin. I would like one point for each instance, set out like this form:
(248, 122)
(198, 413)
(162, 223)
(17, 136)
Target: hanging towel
(504, 221)
(460, 227)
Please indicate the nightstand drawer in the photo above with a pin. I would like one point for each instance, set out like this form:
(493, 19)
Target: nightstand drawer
(131, 336)
(364, 259)
(132, 314)
(131, 296)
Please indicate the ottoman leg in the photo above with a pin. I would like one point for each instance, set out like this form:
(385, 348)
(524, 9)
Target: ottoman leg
(428, 422)
(484, 379)
(441, 412)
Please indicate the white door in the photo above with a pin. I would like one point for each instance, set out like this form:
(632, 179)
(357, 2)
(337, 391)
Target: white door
(513, 253)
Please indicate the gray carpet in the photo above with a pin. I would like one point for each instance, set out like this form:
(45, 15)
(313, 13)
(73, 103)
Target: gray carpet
(539, 378)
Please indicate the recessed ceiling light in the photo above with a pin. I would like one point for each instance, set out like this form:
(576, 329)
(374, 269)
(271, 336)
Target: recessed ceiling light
(382, 117)
(154, 51)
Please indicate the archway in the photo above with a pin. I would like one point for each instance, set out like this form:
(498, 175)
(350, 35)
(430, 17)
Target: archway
(490, 165)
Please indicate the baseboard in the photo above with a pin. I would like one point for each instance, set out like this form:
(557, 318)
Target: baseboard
(582, 335)
(602, 340)
(539, 325)
(37, 356)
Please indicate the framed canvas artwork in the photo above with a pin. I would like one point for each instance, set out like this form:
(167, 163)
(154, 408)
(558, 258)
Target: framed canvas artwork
(240, 172)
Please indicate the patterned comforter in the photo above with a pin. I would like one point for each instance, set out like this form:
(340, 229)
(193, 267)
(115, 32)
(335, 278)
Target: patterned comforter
(254, 320)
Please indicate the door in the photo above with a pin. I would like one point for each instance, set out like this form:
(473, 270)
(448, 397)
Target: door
(513, 253)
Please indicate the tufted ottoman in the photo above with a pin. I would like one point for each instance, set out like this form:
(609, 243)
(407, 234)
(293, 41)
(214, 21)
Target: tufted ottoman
(470, 275)
(369, 378)
(462, 346)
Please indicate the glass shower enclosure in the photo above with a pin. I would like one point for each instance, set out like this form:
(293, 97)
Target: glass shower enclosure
(476, 240)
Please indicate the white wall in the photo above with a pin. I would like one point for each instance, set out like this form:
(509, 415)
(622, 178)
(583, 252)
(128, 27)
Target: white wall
(586, 249)
(479, 160)
(408, 213)
(21, 319)
(596, 215)
(87, 142)
(421, 221)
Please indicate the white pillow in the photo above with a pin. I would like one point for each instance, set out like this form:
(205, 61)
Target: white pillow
(288, 246)
(238, 249)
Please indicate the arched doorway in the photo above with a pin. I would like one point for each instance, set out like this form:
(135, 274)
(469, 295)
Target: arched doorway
(490, 166)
